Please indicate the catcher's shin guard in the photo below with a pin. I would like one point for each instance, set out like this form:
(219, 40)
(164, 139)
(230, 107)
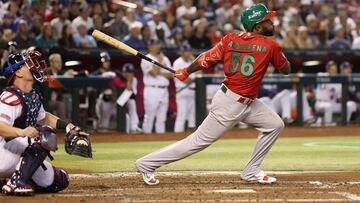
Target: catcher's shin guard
(61, 182)
(20, 182)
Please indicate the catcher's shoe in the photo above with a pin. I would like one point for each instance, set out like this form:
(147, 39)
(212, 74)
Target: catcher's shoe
(16, 187)
(262, 178)
(149, 179)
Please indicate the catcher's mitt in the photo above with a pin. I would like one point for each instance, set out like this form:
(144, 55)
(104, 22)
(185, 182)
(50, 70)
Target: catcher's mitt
(78, 143)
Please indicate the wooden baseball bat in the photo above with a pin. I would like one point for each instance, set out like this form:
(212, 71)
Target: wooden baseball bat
(123, 47)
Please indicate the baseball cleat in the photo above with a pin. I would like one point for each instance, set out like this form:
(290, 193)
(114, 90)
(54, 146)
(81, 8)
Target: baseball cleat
(262, 178)
(15, 186)
(149, 179)
(17, 189)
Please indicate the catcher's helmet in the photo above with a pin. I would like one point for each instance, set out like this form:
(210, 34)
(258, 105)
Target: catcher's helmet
(104, 56)
(255, 14)
(32, 60)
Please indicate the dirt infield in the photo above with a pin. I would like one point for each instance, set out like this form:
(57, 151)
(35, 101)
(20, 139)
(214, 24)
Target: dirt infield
(211, 186)
(221, 187)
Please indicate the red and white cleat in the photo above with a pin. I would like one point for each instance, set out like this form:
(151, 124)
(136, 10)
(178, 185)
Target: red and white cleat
(149, 179)
(262, 178)
(16, 187)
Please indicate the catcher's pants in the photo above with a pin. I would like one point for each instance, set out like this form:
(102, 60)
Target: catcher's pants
(185, 103)
(156, 102)
(225, 112)
(10, 161)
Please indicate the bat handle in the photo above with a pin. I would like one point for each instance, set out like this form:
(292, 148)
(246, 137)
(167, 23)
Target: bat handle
(154, 62)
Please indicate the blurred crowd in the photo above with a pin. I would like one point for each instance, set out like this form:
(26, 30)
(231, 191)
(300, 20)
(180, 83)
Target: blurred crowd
(304, 24)
(184, 25)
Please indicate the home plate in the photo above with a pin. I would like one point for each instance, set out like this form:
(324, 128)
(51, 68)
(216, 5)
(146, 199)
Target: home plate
(233, 191)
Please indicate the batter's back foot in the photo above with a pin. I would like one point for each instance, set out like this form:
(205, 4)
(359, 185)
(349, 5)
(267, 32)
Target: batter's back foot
(261, 178)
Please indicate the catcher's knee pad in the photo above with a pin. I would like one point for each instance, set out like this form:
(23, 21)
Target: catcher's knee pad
(32, 158)
(61, 182)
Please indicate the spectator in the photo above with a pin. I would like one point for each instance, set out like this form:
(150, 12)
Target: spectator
(207, 10)
(59, 22)
(26, 15)
(23, 37)
(140, 15)
(13, 8)
(214, 35)
(312, 27)
(67, 39)
(101, 10)
(228, 28)
(145, 34)
(339, 42)
(302, 39)
(83, 18)
(187, 29)
(199, 40)
(74, 10)
(156, 24)
(186, 11)
(133, 39)
(289, 40)
(8, 23)
(98, 22)
(129, 17)
(46, 40)
(156, 95)
(119, 28)
(82, 39)
(37, 25)
(56, 103)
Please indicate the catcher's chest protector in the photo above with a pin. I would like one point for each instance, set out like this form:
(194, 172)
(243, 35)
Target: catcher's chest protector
(31, 104)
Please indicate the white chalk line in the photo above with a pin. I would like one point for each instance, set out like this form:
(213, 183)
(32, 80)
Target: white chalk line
(189, 173)
(348, 195)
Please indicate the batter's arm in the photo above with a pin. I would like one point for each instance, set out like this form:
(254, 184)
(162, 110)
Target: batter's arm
(286, 68)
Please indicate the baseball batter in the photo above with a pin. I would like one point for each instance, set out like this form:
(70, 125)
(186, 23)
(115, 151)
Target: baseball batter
(246, 56)
(23, 147)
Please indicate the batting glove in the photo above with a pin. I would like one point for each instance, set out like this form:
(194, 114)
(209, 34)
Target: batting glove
(181, 74)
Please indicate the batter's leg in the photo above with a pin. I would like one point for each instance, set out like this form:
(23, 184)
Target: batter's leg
(224, 114)
(270, 125)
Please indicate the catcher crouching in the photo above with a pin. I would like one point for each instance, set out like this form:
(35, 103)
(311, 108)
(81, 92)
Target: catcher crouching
(27, 132)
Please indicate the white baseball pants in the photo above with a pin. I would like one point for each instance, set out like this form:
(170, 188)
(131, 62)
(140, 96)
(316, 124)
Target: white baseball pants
(185, 102)
(156, 102)
(11, 157)
(225, 112)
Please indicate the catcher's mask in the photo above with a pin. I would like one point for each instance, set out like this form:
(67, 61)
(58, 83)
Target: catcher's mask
(32, 60)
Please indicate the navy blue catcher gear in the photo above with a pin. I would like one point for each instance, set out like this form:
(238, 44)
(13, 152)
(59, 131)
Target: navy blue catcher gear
(33, 61)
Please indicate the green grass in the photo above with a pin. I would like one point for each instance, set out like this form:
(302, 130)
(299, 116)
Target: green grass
(325, 154)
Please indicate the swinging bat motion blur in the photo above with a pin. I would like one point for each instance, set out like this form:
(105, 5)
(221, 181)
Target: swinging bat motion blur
(123, 47)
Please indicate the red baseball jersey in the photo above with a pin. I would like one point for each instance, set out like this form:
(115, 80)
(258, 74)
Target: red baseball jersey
(246, 56)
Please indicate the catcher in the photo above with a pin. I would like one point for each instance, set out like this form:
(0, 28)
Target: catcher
(23, 145)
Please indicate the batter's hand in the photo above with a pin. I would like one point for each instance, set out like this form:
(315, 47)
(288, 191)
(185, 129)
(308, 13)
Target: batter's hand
(181, 74)
(29, 132)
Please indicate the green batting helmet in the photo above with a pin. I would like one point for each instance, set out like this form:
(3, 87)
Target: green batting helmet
(255, 14)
